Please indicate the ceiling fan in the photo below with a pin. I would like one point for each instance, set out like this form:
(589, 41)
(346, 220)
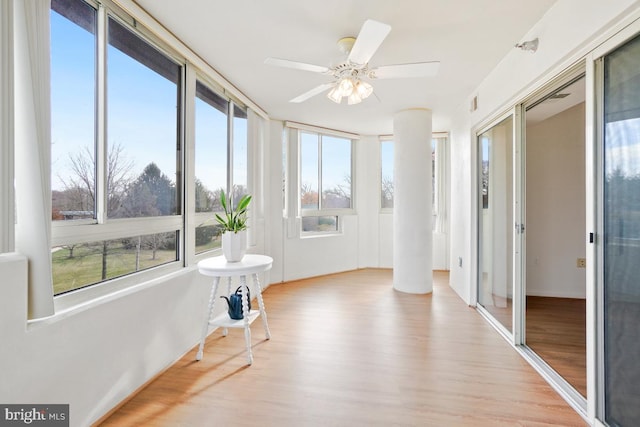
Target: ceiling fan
(349, 76)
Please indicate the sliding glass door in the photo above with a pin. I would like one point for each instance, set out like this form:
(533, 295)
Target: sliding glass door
(495, 222)
(621, 232)
(555, 247)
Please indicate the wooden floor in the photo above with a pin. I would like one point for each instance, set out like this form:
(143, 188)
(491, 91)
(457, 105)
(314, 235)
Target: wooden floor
(557, 332)
(348, 350)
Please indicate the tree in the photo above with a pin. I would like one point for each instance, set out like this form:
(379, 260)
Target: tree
(236, 194)
(151, 194)
(118, 177)
(70, 248)
(155, 242)
(338, 196)
(80, 185)
(387, 192)
(204, 197)
(308, 196)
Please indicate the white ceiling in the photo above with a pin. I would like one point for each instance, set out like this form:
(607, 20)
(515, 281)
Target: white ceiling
(551, 106)
(468, 37)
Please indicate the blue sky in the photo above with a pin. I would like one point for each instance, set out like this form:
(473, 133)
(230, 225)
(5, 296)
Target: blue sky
(623, 147)
(336, 160)
(141, 113)
(72, 94)
(386, 155)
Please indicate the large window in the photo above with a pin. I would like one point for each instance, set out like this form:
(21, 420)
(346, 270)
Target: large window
(438, 177)
(143, 100)
(217, 145)
(73, 110)
(106, 177)
(325, 180)
(386, 183)
(210, 163)
(240, 128)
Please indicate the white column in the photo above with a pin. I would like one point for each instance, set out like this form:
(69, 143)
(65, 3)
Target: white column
(412, 205)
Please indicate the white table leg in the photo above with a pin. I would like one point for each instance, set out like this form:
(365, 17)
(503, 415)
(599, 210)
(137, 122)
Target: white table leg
(225, 330)
(205, 327)
(245, 316)
(263, 312)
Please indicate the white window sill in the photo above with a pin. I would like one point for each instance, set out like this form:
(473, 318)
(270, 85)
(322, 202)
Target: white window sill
(75, 302)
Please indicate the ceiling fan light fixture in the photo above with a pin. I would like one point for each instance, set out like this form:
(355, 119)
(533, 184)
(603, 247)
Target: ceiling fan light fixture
(347, 75)
(363, 89)
(335, 94)
(346, 86)
(354, 98)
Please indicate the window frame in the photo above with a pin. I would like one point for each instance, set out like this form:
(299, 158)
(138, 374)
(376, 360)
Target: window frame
(382, 140)
(320, 211)
(439, 173)
(199, 218)
(101, 227)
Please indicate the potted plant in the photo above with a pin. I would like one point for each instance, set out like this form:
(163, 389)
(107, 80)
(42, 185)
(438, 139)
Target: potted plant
(234, 227)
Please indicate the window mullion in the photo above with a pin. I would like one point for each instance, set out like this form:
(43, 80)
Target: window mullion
(101, 148)
(7, 207)
(319, 172)
(229, 149)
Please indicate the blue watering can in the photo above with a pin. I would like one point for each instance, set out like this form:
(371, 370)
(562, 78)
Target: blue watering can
(234, 302)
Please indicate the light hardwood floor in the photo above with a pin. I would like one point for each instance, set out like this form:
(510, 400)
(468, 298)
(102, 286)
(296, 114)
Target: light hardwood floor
(348, 350)
(557, 332)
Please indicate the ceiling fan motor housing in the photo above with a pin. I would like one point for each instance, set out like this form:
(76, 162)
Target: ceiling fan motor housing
(345, 44)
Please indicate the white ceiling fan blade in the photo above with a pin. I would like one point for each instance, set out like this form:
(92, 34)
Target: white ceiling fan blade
(296, 65)
(313, 92)
(368, 41)
(399, 71)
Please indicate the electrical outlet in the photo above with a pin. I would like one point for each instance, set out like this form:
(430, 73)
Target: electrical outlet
(581, 263)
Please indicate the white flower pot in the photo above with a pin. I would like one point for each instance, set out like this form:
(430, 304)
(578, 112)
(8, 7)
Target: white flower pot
(234, 245)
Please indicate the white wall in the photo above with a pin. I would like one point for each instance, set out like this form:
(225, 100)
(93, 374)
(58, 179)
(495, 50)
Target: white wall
(556, 205)
(274, 199)
(366, 240)
(83, 358)
(567, 32)
(320, 255)
(462, 223)
(94, 357)
(368, 201)
(376, 227)
(385, 241)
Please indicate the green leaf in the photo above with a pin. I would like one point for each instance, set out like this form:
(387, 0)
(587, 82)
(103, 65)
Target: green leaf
(234, 219)
(223, 201)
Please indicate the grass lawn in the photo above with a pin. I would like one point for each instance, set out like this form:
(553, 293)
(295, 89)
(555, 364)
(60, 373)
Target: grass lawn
(215, 243)
(85, 267)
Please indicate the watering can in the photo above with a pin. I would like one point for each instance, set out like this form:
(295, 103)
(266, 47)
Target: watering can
(234, 302)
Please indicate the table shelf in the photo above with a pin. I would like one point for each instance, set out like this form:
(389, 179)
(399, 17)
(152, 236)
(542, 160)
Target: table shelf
(223, 320)
(218, 267)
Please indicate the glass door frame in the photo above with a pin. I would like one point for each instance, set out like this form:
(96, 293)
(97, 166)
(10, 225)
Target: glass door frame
(595, 218)
(477, 268)
(576, 71)
(517, 337)
(590, 58)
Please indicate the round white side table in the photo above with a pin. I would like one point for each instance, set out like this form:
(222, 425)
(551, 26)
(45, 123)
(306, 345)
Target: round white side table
(218, 267)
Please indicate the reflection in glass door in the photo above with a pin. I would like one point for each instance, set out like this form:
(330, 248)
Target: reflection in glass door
(621, 244)
(555, 274)
(495, 222)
